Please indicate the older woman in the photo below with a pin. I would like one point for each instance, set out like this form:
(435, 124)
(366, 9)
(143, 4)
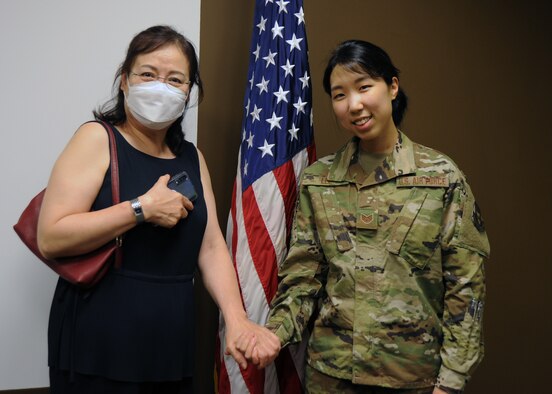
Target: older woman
(133, 332)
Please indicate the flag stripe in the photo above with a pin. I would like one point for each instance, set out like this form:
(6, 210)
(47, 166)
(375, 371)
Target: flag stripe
(260, 244)
(271, 380)
(287, 182)
(251, 285)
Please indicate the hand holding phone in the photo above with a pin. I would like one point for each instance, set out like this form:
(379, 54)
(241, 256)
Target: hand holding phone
(182, 183)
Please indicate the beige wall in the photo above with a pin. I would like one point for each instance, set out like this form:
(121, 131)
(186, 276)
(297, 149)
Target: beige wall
(476, 75)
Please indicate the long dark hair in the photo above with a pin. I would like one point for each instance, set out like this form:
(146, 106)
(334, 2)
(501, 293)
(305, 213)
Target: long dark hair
(147, 41)
(364, 57)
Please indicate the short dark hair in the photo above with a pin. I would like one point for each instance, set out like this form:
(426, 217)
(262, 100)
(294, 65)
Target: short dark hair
(147, 41)
(365, 57)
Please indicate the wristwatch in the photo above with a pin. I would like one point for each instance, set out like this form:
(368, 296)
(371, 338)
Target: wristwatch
(138, 212)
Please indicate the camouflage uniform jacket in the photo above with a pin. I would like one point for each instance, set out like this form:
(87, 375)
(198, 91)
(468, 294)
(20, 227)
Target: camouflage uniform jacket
(391, 265)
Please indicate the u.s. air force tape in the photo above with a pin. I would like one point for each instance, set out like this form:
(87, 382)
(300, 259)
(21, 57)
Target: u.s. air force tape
(423, 180)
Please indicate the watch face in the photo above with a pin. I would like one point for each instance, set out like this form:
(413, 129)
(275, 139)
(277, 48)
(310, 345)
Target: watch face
(137, 206)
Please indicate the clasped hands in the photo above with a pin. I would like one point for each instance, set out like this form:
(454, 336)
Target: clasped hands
(257, 344)
(253, 343)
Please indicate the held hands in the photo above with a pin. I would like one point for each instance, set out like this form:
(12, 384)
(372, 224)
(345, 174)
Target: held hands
(251, 342)
(164, 207)
(261, 348)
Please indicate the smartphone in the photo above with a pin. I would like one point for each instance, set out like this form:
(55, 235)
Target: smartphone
(182, 183)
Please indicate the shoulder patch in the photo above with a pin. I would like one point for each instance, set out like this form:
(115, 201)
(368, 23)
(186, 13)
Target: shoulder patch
(423, 180)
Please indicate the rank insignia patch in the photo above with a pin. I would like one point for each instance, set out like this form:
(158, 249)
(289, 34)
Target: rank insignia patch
(368, 221)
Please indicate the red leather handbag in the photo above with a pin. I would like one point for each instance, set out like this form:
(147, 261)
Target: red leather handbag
(83, 270)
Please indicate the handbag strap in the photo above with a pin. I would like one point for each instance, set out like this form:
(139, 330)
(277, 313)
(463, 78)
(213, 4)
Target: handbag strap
(114, 163)
(114, 185)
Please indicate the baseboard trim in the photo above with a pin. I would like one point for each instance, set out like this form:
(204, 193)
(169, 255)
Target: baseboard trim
(42, 390)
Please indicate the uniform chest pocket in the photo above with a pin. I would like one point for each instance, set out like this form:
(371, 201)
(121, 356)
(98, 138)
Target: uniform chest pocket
(415, 235)
(331, 225)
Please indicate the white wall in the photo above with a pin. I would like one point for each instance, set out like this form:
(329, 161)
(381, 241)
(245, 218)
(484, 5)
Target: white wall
(58, 59)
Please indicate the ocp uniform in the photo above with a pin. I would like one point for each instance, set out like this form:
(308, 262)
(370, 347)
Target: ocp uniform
(392, 263)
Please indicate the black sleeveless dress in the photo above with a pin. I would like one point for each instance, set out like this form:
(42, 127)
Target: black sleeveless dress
(136, 325)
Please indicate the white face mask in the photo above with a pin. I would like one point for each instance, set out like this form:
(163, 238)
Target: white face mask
(155, 104)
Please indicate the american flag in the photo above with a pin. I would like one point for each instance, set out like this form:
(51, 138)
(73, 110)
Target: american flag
(276, 145)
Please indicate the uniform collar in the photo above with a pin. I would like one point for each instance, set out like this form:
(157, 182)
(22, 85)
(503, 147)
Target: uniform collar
(400, 161)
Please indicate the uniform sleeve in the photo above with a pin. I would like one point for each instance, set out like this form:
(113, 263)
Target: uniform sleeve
(465, 249)
(301, 276)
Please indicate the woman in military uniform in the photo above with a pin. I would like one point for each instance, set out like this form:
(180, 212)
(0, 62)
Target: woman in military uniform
(387, 250)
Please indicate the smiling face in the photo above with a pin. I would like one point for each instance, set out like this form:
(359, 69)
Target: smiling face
(362, 106)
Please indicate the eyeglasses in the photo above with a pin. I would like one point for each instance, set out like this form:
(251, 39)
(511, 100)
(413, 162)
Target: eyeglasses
(173, 80)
